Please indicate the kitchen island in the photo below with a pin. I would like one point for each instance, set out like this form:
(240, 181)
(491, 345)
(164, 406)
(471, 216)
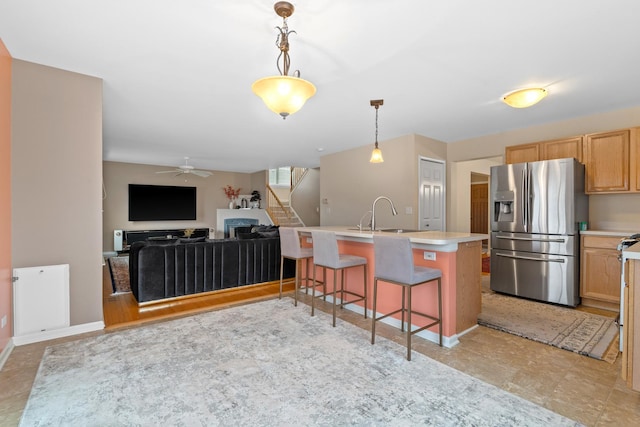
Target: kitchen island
(457, 255)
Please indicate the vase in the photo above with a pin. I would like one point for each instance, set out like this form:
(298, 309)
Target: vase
(232, 203)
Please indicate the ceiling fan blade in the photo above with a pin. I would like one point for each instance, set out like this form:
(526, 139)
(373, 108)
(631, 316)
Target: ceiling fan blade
(173, 171)
(203, 174)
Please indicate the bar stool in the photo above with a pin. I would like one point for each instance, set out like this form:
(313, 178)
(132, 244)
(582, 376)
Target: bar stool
(394, 264)
(326, 255)
(290, 248)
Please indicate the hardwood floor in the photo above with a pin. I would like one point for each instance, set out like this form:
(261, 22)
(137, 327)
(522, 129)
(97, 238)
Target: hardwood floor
(121, 310)
(584, 389)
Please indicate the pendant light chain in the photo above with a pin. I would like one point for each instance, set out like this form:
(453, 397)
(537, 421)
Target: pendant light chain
(376, 126)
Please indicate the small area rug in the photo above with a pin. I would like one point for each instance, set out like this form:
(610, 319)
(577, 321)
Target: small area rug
(566, 328)
(261, 364)
(119, 268)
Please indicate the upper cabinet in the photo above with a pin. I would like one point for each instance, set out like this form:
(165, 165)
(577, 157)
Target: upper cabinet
(611, 162)
(522, 153)
(610, 158)
(562, 149)
(547, 150)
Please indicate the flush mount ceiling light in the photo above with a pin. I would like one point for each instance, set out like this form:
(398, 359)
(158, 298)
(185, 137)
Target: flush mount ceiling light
(525, 97)
(376, 154)
(284, 94)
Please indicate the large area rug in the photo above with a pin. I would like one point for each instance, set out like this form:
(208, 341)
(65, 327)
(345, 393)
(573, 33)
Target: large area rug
(570, 329)
(119, 268)
(263, 364)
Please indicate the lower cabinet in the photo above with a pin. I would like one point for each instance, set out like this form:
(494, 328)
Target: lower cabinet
(631, 339)
(600, 272)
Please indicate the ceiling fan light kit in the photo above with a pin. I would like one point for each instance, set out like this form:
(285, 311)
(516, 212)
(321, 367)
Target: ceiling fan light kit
(284, 94)
(524, 98)
(188, 169)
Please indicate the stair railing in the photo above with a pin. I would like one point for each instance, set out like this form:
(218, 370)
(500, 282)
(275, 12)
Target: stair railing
(274, 206)
(296, 176)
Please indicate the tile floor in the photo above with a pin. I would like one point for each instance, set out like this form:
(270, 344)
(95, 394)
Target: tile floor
(578, 387)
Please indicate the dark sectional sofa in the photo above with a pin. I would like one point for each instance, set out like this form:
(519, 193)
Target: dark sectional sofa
(172, 268)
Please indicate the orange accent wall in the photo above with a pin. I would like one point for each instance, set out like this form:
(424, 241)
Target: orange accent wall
(5, 194)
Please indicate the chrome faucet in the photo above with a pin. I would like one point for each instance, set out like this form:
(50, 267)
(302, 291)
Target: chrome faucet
(373, 211)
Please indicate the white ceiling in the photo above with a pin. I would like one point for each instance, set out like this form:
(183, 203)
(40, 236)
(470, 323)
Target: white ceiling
(178, 74)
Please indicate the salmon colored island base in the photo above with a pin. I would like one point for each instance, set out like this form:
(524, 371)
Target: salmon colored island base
(457, 255)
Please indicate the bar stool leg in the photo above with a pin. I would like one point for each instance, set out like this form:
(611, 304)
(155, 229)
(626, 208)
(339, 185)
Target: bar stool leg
(440, 311)
(313, 292)
(365, 291)
(296, 280)
(335, 286)
(409, 324)
(402, 311)
(373, 313)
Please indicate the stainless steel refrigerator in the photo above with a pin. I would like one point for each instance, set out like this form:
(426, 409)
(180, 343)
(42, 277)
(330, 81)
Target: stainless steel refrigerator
(536, 209)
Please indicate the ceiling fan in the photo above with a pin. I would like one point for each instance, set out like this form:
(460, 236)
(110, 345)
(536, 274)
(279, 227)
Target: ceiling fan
(187, 169)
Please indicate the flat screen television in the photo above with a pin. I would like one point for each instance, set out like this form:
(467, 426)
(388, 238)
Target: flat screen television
(161, 203)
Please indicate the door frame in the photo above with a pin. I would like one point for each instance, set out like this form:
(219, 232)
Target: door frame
(444, 190)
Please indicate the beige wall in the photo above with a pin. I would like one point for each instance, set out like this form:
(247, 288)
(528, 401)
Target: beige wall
(350, 184)
(56, 179)
(459, 213)
(5, 196)
(210, 196)
(305, 198)
(606, 212)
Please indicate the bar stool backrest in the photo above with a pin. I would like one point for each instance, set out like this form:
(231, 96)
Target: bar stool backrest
(290, 242)
(394, 258)
(325, 248)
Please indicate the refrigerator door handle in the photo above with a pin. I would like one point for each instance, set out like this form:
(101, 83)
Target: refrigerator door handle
(560, 260)
(530, 239)
(524, 207)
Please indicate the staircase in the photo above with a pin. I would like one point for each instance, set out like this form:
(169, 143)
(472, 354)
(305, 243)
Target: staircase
(281, 213)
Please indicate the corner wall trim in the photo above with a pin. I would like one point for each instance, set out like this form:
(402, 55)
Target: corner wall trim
(58, 333)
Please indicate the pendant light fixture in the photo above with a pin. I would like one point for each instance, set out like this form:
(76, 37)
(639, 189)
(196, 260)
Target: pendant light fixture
(284, 94)
(524, 98)
(376, 154)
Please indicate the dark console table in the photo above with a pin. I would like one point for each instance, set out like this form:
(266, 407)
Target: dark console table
(132, 236)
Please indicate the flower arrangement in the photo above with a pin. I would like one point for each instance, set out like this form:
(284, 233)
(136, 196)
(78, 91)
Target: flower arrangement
(231, 192)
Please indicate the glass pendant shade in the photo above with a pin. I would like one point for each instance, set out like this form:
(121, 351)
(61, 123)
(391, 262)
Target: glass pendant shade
(284, 95)
(376, 156)
(524, 98)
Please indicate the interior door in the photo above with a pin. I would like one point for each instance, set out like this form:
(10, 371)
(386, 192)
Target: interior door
(480, 208)
(432, 196)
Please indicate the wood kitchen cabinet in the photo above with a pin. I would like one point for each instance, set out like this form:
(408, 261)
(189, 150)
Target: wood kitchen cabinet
(611, 161)
(562, 149)
(545, 150)
(522, 153)
(631, 322)
(600, 272)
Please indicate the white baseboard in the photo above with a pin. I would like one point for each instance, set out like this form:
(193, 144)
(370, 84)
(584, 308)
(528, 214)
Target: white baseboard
(4, 356)
(58, 333)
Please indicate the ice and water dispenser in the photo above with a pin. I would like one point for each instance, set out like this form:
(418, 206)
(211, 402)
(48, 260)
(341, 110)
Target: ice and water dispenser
(503, 208)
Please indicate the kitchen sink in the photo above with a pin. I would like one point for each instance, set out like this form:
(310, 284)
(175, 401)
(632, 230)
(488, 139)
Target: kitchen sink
(399, 230)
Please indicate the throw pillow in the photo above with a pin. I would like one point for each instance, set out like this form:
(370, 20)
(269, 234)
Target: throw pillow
(247, 236)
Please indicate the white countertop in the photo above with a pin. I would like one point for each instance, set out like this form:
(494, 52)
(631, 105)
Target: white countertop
(444, 240)
(613, 233)
(632, 252)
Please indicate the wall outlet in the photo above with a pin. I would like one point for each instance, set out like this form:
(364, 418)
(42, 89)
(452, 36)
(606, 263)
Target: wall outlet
(4, 321)
(431, 256)
(408, 210)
